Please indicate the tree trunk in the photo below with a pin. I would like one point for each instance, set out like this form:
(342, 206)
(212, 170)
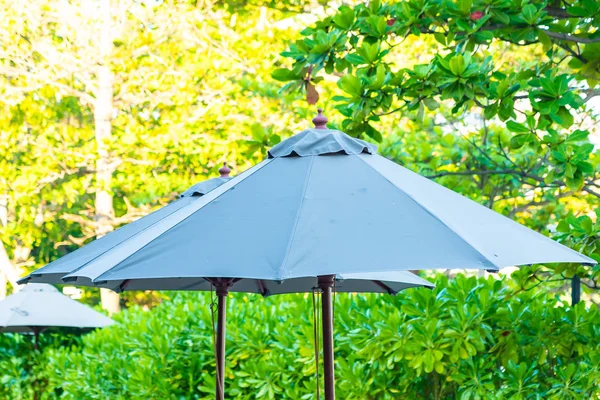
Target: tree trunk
(103, 126)
(3, 222)
(8, 272)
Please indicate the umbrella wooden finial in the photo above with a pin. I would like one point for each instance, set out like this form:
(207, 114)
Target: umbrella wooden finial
(320, 120)
(224, 170)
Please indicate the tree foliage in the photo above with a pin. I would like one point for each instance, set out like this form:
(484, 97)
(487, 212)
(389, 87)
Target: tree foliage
(191, 90)
(490, 98)
(498, 106)
(467, 339)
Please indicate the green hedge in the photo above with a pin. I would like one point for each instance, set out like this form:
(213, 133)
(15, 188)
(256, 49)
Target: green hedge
(467, 339)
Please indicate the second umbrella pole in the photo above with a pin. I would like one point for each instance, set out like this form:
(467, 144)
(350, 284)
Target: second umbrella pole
(221, 326)
(326, 283)
(36, 348)
(222, 286)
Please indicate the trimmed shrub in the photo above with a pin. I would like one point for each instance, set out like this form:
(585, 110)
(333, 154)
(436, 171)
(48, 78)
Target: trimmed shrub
(467, 339)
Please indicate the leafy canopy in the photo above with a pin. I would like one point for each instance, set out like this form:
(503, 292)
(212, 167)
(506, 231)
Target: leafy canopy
(496, 105)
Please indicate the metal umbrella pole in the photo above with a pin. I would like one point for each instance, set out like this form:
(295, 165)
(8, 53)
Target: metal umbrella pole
(222, 286)
(36, 347)
(326, 283)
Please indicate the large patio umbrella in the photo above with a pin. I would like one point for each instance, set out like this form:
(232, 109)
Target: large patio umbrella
(323, 206)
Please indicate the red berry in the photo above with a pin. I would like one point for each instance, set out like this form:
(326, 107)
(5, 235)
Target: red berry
(476, 15)
(391, 22)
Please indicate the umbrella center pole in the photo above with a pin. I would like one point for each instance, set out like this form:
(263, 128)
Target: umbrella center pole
(326, 284)
(222, 286)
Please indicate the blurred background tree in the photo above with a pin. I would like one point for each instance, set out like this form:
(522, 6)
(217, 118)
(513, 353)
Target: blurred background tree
(108, 113)
(492, 99)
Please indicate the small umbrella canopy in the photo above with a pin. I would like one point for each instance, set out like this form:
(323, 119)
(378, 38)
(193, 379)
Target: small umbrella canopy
(40, 306)
(54, 272)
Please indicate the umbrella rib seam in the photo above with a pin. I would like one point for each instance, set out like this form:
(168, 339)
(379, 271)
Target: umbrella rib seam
(448, 226)
(280, 275)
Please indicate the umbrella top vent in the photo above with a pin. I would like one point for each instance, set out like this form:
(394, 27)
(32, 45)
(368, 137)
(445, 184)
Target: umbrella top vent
(200, 189)
(320, 141)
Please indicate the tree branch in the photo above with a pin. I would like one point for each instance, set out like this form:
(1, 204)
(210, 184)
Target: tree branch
(557, 12)
(509, 172)
(571, 38)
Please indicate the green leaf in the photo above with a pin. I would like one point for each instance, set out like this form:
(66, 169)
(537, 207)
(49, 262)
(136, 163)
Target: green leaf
(490, 111)
(502, 87)
(373, 133)
(355, 59)
(351, 85)
(440, 37)
(530, 14)
(570, 170)
(283, 75)
(457, 64)
(344, 19)
(465, 6)
(578, 11)
(378, 80)
(484, 36)
(560, 155)
(258, 132)
(545, 40)
(431, 104)
(502, 17)
(565, 118)
(369, 52)
(577, 136)
(585, 167)
(374, 6)
(516, 127)
(518, 141)
(576, 183)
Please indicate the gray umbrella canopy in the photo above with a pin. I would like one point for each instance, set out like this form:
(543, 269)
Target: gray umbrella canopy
(322, 203)
(39, 306)
(67, 268)
(324, 211)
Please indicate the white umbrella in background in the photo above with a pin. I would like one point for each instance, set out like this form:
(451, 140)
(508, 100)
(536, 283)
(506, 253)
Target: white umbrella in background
(324, 211)
(37, 307)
